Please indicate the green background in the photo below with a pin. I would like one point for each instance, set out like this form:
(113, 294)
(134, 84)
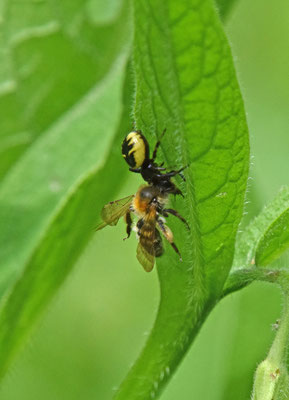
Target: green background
(98, 322)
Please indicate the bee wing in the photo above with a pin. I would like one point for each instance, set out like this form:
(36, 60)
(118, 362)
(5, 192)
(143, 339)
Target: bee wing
(113, 211)
(149, 244)
(146, 259)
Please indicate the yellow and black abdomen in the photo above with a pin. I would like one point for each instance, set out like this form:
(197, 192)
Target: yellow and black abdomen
(135, 149)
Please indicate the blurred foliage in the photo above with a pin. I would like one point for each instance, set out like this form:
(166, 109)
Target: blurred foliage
(51, 54)
(95, 328)
(51, 185)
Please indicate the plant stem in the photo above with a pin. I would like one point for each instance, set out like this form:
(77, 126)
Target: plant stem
(278, 351)
(245, 276)
(271, 377)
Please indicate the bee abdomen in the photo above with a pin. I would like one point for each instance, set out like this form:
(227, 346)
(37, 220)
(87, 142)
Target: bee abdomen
(158, 244)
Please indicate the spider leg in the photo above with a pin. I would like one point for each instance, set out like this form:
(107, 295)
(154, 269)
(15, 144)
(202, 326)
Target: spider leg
(157, 145)
(175, 172)
(182, 176)
(135, 169)
(160, 168)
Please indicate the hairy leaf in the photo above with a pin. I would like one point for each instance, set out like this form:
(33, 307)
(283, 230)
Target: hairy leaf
(243, 277)
(276, 238)
(266, 236)
(185, 82)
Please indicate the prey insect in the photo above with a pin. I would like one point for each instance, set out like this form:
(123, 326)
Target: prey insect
(149, 205)
(136, 152)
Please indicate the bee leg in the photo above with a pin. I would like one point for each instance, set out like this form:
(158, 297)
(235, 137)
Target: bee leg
(128, 221)
(157, 145)
(169, 236)
(171, 211)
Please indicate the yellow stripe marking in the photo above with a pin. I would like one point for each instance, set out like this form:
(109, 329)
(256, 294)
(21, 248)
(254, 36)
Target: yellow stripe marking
(135, 140)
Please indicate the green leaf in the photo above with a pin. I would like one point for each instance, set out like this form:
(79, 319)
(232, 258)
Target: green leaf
(51, 199)
(51, 55)
(34, 190)
(276, 238)
(185, 82)
(266, 237)
(68, 230)
(225, 7)
(75, 143)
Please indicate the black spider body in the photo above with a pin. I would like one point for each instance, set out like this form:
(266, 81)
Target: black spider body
(136, 152)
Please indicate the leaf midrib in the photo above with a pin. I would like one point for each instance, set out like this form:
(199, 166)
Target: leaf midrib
(194, 233)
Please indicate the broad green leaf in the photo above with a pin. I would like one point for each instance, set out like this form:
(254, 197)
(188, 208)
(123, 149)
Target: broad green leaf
(72, 223)
(261, 242)
(49, 200)
(266, 236)
(51, 54)
(276, 238)
(185, 82)
(77, 139)
(33, 191)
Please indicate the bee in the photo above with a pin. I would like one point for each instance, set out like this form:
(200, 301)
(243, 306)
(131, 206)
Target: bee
(136, 152)
(149, 205)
